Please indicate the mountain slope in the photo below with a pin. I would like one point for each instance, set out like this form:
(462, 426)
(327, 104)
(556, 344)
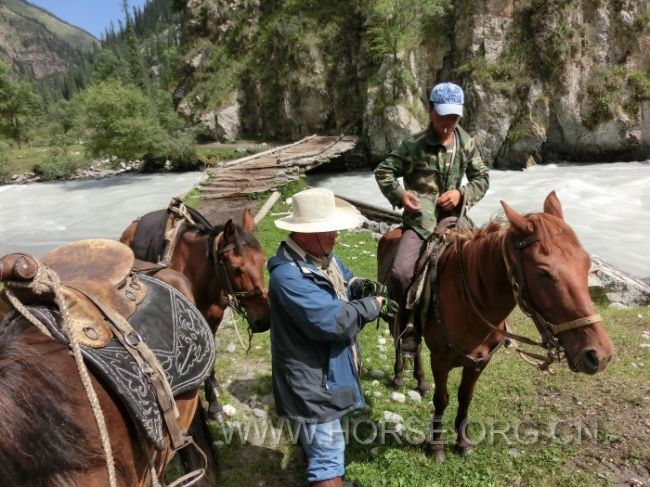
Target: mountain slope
(37, 44)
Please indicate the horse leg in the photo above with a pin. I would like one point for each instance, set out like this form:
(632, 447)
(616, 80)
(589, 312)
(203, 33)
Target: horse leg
(465, 394)
(202, 436)
(398, 371)
(418, 371)
(215, 411)
(440, 401)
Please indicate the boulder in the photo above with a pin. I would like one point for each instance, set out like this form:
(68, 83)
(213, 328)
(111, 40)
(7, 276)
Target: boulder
(223, 124)
(615, 286)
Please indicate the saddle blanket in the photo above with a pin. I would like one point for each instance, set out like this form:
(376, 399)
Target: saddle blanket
(149, 239)
(177, 334)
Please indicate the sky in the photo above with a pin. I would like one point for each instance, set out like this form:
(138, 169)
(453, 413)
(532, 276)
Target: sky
(91, 15)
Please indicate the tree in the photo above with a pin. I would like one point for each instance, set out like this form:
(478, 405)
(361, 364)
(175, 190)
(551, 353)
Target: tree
(122, 121)
(394, 27)
(19, 107)
(64, 115)
(108, 64)
(133, 50)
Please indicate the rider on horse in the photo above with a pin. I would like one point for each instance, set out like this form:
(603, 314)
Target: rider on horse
(432, 164)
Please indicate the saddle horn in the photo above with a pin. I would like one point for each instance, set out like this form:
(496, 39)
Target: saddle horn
(17, 267)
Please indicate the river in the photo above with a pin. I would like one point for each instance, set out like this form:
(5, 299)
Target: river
(608, 205)
(36, 218)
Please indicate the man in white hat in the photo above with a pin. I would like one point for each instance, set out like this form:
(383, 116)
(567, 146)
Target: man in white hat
(317, 309)
(432, 164)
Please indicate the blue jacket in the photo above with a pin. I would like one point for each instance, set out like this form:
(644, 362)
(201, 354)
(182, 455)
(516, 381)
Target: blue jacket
(313, 340)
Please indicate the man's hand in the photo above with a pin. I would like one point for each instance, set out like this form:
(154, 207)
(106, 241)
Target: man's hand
(363, 288)
(449, 199)
(388, 310)
(411, 203)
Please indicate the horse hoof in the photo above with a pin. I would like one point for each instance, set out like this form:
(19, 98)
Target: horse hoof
(396, 383)
(437, 454)
(423, 388)
(464, 451)
(215, 413)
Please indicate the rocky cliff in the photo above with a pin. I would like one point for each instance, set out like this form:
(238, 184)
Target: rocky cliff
(37, 44)
(544, 79)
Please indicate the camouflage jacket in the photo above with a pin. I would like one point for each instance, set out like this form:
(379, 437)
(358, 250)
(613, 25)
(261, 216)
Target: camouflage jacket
(429, 171)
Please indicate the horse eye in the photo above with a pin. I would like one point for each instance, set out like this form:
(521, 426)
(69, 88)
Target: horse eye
(543, 273)
(237, 271)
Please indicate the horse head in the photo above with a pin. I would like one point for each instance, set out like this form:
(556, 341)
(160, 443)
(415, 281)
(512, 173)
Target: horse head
(241, 258)
(549, 267)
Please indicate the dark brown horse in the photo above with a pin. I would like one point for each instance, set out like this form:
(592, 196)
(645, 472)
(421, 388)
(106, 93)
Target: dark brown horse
(48, 432)
(536, 261)
(224, 264)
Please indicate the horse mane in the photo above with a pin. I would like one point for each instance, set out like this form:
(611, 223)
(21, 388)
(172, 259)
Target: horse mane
(41, 440)
(243, 238)
(552, 231)
(479, 260)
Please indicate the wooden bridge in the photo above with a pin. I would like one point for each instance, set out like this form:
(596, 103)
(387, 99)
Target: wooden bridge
(273, 168)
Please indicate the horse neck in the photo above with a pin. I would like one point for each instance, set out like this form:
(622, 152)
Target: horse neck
(487, 276)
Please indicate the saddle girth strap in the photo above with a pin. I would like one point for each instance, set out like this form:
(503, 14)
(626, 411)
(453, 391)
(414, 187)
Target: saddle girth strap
(132, 343)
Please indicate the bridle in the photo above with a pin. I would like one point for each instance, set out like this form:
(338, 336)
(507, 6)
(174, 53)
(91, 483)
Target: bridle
(548, 331)
(233, 295)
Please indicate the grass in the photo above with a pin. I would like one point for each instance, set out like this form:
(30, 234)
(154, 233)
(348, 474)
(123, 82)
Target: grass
(610, 407)
(17, 161)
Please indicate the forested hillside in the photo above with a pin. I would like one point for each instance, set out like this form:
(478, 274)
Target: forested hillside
(38, 46)
(544, 80)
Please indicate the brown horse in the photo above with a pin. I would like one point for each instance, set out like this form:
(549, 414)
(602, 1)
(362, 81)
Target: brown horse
(536, 261)
(48, 432)
(224, 265)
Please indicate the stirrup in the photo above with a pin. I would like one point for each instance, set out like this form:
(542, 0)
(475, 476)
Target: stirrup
(411, 335)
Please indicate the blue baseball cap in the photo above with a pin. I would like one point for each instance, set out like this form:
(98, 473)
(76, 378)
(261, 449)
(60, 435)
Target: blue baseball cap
(447, 99)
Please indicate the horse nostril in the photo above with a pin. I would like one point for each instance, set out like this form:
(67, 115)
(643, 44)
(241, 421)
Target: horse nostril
(591, 360)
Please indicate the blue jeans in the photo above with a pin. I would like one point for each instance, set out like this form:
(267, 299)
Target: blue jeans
(324, 445)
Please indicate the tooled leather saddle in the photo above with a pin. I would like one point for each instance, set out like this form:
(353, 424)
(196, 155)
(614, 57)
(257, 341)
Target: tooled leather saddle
(99, 289)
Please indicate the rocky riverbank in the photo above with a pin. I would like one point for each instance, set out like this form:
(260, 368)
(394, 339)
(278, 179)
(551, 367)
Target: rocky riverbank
(97, 170)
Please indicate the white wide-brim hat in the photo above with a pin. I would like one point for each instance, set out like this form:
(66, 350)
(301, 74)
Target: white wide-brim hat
(318, 210)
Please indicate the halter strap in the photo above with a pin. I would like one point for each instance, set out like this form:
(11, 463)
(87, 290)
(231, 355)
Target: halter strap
(220, 267)
(521, 295)
(547, 330)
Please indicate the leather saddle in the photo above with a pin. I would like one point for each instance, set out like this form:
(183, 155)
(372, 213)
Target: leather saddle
(100, 268)
(99, 288)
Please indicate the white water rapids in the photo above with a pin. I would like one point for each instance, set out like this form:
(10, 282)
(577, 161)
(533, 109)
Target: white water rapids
(36, 218)
(608, 205)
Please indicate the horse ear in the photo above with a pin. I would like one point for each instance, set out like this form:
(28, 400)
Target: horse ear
(552, 206)
(518, 222)
(229, 231)
(248, 221)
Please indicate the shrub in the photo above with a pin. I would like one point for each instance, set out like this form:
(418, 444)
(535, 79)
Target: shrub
(5, 172)
(122, 120)
(181, 155)
(56, 168)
